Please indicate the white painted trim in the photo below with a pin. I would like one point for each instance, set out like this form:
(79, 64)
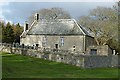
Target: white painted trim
(25, 32)
(78, 26)
(32, 25)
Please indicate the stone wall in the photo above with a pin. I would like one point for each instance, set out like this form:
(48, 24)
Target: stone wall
(104, 50)
(70, 42)
(101, 61)
(89, 41)
(72, 58)
(64, 58)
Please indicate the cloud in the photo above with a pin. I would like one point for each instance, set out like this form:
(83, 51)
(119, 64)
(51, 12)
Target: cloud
(18, 12)
(2, 17)
(1, 5)
(59, 0)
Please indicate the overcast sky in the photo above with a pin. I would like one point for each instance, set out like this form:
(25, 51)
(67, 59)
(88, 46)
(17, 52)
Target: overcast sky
(18, 12)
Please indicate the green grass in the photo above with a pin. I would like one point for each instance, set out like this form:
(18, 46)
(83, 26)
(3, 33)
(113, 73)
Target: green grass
(18, 66)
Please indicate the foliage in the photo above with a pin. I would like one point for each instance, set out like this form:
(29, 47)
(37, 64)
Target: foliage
(103, 23)
(1, 27)
(52, 13)
(18, 66)
(10, 33)
(119, 25)
(17, 32)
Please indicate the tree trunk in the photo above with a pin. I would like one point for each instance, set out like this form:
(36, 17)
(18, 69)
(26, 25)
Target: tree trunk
(96, 41)
(104, 43)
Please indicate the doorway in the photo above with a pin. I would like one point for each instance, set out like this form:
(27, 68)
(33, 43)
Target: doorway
(56, 46)
(93, 52)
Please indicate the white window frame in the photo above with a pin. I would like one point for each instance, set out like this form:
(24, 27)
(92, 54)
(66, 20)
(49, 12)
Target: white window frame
(62, 41)
(44, 41)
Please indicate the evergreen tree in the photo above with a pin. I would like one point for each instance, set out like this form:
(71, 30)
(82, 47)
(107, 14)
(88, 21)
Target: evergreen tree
(1, 30)
(8, 34)
(17, 32)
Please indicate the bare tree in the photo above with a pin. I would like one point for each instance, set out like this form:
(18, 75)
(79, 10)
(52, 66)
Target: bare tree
(103, 23)
(52, 13)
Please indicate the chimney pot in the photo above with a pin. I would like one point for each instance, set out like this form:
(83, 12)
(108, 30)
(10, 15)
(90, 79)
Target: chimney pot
(36, 16)
(26, 26)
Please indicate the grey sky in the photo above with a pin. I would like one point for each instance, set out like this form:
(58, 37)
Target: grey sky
(18, 12)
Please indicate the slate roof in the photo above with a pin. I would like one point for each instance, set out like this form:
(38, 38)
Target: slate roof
(57, 27)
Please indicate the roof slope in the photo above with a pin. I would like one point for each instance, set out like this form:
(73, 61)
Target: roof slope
(57, 27)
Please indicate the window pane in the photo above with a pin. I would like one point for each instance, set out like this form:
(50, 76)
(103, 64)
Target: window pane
(62, 41)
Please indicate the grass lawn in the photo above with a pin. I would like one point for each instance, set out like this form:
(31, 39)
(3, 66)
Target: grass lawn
(18, 66)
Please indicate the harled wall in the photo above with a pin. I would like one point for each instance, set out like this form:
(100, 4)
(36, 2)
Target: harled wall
(69, 41)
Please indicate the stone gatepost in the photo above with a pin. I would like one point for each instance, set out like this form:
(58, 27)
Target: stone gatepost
(50, 56)
(10, 48)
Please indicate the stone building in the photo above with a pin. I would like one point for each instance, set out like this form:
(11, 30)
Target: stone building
(67, 38)
(61, 34)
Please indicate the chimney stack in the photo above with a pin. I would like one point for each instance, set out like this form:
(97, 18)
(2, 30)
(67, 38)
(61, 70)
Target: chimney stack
(25, 26)
(36, 16)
